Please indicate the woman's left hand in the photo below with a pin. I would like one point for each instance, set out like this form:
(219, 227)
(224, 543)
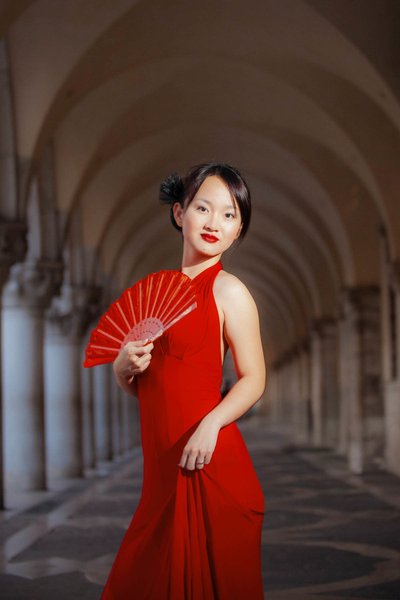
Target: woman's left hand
(200, 446)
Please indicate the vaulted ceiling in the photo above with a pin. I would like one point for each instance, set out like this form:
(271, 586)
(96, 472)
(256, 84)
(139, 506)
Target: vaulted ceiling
(302, 96)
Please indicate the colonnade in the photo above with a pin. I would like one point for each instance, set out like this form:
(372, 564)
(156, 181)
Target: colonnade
(86, 137)
(58, 419)
(339, 387)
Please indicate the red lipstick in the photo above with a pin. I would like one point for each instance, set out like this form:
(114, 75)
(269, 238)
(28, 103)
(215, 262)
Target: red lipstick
(209, 238)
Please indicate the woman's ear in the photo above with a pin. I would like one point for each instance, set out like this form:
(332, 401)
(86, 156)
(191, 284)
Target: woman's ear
(178, 213)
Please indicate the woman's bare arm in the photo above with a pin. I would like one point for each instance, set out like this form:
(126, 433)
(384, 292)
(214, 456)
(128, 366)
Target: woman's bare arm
(242, 332)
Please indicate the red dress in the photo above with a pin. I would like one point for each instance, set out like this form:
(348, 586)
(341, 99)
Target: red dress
(195, 535)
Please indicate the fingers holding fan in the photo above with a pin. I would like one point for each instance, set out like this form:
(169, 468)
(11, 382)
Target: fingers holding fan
(143, 311)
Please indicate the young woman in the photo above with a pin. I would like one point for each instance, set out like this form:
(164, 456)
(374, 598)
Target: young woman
(196, 533)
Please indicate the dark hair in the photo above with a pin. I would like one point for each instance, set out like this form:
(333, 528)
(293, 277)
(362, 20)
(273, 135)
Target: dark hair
(176, 189)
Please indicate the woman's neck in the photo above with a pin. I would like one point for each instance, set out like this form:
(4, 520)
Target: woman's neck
(193, 267)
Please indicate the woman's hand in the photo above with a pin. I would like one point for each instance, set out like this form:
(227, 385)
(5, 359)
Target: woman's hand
(133, 359)
(200, 446)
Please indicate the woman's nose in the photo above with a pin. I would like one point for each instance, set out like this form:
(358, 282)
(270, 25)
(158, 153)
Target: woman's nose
(212, 222)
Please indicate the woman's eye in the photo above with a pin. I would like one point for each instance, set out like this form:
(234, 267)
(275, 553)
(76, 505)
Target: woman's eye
(229, 215)
(202, 207)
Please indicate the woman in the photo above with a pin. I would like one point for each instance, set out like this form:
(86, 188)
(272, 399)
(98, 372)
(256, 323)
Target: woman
(196, 533)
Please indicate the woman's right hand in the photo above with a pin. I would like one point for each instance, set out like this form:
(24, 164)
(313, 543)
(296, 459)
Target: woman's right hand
(133, 359)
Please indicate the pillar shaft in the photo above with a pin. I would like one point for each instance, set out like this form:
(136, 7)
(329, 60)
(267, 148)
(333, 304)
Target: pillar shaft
(103, 412)
(24, 448)
(13, 247)
(135, 423)
(25, 296)
(125, 400)
(116, 408)
(360, 376)
(303, 400)
(66, 321)
(324, 383)
(63, 405)
(88, 425)
(390, 298)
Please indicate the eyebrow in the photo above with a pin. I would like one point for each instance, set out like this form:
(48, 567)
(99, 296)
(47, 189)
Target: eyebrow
(226, 205)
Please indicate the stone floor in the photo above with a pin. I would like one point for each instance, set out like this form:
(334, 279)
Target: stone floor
(327, 534)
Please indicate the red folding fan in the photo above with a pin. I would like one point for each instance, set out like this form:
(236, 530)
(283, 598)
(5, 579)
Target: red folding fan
(143, 311)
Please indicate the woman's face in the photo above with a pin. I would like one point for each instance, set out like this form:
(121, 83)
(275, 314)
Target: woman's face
(212, 215)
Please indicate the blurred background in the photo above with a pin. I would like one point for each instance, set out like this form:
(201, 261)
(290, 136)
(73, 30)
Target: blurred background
(101, 100)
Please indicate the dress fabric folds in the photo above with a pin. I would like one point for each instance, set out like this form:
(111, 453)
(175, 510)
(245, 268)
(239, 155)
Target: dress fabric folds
(195, 535)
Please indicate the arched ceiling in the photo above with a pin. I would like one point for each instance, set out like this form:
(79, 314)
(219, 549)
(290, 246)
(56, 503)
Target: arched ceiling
(290, 92)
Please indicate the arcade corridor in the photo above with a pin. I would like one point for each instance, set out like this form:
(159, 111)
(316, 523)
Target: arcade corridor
(100, 100)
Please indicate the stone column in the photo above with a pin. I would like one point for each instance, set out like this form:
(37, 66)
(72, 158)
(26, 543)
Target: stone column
(132, 421)
(116, 410)
(90, 312)
(229, 377)
(25, 297)
(13, 246)
(121, 415)
(302, 399)
(324, 382)
(273, 394)
(102, 412)
(66, 321)
(283, 393)
(269, 406)
(391, 360)
(136, 422)
(88, 427)
(362, 434)
(278, 412)
(125, 423)
(293, 396)
(348, 380)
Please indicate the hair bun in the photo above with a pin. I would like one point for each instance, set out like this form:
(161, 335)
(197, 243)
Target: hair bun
(171, 189)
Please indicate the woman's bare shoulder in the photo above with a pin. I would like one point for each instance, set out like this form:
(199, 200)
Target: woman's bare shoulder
(230, 288)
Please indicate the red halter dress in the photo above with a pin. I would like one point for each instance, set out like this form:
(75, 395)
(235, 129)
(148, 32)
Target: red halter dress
(195, 535)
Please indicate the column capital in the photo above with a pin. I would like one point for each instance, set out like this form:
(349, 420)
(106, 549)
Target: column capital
(32, 284)
(353, 300)
(74, 309)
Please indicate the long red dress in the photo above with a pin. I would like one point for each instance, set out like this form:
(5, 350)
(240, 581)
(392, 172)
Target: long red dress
(195, 535)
